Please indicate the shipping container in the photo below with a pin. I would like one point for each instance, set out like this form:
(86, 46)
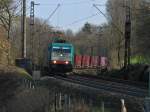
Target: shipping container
(78, 61)
(94, 61)
(86, 61)
(103, 62)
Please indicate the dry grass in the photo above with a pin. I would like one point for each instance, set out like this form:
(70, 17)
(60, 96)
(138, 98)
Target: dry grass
(30, 100)
(15, 71)
(4, 48)
(10, 83)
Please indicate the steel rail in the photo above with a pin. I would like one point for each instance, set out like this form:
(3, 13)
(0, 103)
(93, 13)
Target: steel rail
(106, 82)
(121, 81)
(114, 88)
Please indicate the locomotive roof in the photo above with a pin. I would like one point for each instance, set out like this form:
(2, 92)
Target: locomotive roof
(61, 44)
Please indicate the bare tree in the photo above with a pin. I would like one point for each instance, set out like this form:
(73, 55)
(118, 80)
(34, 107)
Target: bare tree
(6, 15)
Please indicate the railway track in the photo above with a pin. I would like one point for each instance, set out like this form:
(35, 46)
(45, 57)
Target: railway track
(104, 85)
(126, 82)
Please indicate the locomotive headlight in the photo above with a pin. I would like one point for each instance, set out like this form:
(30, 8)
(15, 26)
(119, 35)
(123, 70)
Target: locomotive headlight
(54, 62)
(67, 62)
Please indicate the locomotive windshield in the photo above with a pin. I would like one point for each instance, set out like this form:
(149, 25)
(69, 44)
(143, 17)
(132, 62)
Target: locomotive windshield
(62, 50)
(61, 53)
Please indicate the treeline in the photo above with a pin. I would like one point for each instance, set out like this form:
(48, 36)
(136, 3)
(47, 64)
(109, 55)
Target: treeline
(108, 39)
(105, 40)
(11, 39)
(7, 9)
(140, 27)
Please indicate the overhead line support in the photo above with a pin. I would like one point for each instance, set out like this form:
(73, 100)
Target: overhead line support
(127, 36)
(32, 22)
(23, 26)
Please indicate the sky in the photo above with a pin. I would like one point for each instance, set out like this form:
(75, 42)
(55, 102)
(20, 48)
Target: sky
(72, 14)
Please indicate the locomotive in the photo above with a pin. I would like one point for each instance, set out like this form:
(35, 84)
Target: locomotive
(60, 56)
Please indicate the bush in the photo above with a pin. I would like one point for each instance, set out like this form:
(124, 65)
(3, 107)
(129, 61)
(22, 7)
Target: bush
(140, 60)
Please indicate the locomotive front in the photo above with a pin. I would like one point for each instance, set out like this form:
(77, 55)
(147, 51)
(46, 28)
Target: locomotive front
(61, 57)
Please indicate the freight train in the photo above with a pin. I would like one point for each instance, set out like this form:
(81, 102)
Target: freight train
(61, 58)
(85, 61)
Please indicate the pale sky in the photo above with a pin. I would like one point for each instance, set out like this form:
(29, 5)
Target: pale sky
(72, 14)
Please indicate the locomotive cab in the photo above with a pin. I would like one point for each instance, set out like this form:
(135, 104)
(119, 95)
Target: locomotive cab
(61, 57)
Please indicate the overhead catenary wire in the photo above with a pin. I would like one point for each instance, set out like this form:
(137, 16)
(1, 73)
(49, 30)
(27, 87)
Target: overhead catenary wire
(71, 3)
(113, 24)
(19, 11)
(94, 5)
(82, 19)
(58, 5)
(101, 5)
(49, 17)
(13, 7)
(74, 3)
